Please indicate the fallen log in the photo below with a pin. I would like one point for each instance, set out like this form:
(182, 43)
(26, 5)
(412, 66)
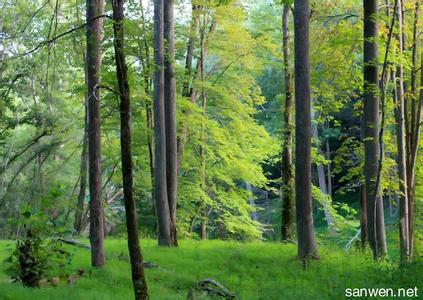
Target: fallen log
(74, 243)
(214, 288)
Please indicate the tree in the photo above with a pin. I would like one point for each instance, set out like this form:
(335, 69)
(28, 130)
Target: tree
(138, 276)
(287, 172)
(79, 211)
(401, 137)
(307, 247)
(160, 175)
(170, 117)
(413, 134)
(375, 217)
(94, 40)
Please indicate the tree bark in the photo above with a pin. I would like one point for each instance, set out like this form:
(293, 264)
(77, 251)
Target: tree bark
(83, 170)
(414, 136)
(287, 192)
(137, 268)
(328, 158)
(363, 216)
(305, 229)
(147, 70)
(94, 52)
(160, 185)
(203, 158)
(401, 155)
(170, 117)
(376, 229)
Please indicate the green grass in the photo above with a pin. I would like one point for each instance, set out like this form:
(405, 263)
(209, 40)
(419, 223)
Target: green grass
(251, 270)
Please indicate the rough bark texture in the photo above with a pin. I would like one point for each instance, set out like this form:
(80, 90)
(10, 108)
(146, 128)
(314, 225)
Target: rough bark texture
(376, 229)
(305, 229)
(287, 172)
(160, 185)
(170, 117)
(401, 156)
(137, 268)
(94, 52)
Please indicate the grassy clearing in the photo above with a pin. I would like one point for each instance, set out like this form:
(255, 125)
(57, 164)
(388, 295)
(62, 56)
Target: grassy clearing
(252, 270)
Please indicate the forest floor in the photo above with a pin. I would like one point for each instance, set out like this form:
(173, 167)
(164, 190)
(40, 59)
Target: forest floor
(251, 270)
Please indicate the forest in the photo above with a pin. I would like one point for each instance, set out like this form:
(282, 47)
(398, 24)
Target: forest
(211, 149)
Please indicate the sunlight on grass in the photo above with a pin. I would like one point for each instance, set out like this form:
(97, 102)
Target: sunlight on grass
(251, 270)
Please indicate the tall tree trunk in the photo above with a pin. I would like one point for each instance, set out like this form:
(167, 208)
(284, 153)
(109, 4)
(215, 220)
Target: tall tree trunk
(287, 192)
(414, 135)
(401, 156)
(160, 185)
(305, 229)
(94, 40)
(170, 117)
(376, 230)
(203, 158)
(138, 276)
(83, 168)
(147, 69)
(413, 164)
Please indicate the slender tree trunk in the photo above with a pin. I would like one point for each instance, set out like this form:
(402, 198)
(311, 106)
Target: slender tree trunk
(147, 65)
(371, 131)
(305, 229)
(187, 85)
(328, 157)
(191, 90)
(401, 156)
(414, 135)
(94, 40)
(170, 116)
(321, 176)
(287, 192)
(138, 276)
(413, 164)
(363, 216)
(363, 201)
(188, 89)
(203, 158)
(160, 185)
(83, 170)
